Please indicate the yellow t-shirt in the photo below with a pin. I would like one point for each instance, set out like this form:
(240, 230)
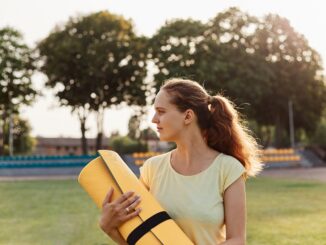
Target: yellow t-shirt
(195, 202)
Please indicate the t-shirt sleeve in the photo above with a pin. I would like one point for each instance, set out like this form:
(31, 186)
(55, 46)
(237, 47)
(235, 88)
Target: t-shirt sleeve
(145, 174)
(232, 170)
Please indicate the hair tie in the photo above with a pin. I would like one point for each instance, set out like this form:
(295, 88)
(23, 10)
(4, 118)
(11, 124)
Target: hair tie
(211, 99)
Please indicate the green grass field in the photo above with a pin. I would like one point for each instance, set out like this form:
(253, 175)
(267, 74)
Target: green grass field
(60, 212)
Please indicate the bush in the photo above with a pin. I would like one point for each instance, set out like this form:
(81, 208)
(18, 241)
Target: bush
(319, 137)
(125, 145)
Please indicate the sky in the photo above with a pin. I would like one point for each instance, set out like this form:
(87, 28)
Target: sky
(36, 18)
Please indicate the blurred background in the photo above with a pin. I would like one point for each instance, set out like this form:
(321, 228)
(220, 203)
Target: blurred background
(78, 76)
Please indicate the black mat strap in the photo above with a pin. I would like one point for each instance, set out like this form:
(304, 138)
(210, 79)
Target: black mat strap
(146, 226)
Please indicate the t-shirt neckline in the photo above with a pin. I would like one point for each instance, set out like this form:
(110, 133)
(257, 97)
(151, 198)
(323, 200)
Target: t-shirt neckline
(193, 175)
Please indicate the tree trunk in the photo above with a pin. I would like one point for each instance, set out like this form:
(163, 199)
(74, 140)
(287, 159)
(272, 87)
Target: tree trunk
(278, 132)
(99, 139)
(2, 133)
(82, 114)
(10, 135)
(100, 123)
(84, 139)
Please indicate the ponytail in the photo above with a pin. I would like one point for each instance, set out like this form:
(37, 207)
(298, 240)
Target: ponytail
(228, 134)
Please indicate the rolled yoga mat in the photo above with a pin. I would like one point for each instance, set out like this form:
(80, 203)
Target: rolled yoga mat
(152, 225)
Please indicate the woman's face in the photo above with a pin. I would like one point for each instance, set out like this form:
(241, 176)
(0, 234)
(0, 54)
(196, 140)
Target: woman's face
(169, 121)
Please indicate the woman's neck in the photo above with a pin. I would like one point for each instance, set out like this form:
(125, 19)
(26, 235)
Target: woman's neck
(191, 151)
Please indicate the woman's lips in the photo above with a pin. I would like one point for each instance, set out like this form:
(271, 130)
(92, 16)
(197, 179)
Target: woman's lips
(159, 129)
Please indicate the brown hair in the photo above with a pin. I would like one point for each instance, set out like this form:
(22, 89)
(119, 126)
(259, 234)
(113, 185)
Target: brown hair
(220, 122)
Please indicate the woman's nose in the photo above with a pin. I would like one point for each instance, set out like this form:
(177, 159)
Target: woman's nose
(154, 119)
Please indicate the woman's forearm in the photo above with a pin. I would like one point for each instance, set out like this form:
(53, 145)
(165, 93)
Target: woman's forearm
(116, 237)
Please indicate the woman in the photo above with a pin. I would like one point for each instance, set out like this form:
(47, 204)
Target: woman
(201, 183)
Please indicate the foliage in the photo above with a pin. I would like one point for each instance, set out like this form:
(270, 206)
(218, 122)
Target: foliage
(94, 62)
(260, 64)
(134, 127)
(319, 137)
(23, 143)
(126, 145)
(297, 76)
(16, 70)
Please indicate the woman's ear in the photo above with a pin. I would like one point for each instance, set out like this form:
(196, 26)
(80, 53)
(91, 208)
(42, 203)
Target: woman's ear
(189, 116)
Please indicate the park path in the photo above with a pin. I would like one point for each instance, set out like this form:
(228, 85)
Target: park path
(317, 173)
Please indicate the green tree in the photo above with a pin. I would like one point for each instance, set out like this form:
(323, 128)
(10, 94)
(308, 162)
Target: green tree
(134, 127)
(23, 143)
(319, 136)
(147, 134)
(216, 54)
(126, 145)
(173, 49)
(96, 61)
(16, 69)
(228, 63)
(262, 63)
(296, 76)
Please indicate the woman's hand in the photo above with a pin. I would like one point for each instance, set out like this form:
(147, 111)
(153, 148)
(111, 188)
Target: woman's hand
(115, 213)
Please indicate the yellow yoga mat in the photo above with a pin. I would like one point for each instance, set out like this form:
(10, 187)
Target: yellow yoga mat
(152, 225)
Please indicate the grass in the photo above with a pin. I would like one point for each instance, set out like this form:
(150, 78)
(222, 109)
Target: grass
(48, 212)
(286, 212)
(60, 212)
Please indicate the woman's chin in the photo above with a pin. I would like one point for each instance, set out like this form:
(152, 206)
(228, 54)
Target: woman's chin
(163, 138)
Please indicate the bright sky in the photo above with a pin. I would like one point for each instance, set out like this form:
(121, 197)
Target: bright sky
(36, 18)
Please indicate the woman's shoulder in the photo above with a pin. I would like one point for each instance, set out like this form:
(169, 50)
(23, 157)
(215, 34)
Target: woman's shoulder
(230, 162)
(156, 161)
(152, 166)
(231, 169)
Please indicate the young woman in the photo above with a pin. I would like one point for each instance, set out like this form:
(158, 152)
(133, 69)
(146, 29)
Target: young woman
(201, 183)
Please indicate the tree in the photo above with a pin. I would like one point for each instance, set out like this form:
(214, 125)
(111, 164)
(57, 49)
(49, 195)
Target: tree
(16, 69)
(319, 137)
(23, 143)
(228, 62)
(97, 61)
(260, 62)
(173, 49)
(134, 127)
(297, 77)
(216, 54)
(147, 134)
(126, 145)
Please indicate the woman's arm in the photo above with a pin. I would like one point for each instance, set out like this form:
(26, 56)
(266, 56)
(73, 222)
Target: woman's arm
(235, 213)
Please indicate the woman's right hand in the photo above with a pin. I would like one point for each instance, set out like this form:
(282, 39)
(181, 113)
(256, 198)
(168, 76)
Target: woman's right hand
(115, 213)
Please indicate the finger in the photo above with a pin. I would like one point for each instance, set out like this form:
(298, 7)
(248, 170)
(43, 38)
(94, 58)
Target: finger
(130, 201)
(134, 204)
(108, 197)
(131, 215)
(124, 197)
